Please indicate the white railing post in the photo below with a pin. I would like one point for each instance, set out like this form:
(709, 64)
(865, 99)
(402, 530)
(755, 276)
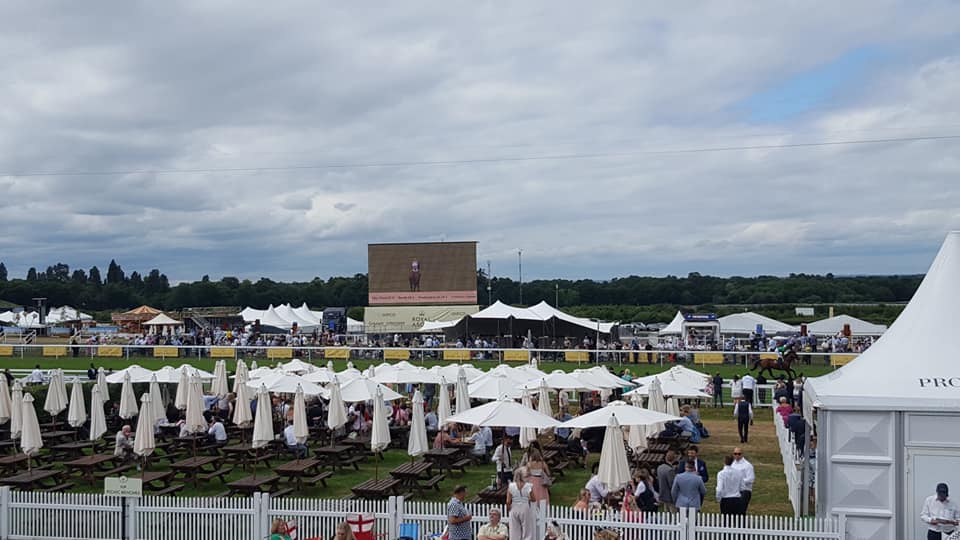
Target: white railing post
(842, 526)
(4, 512)
(394, 514)
(691, 514)
(261, 512)
(130, 526)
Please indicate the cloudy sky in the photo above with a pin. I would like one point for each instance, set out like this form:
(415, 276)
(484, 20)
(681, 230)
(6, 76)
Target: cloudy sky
(604, 139)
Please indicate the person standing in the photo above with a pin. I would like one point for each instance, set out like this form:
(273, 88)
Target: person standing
(717, 390)
(458, 517)
(743, 412)
(520, 501)
(741, 464)
(688, 490)
(749, 385)
(736, 388)
(940, 514)
(666, 473)
(729, 484)
(503, 457)
(693, 453)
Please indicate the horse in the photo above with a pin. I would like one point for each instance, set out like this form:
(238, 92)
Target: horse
(781, 363)
(414, 277)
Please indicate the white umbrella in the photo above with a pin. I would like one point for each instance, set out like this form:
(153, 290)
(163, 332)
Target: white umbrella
(297, 367)
(4, 400)
(143, 440)
(558, 380)
(543, 401)
(156, 401)
(655, 401)
(102, 384)
(673, 407)
(380, 431)
(349, 374)
(195, 422)
(503, 370)
(183, 388)
(197, 372)
(530, 371)
(337, 413)
(241, 376)
(690, 377)
(253, 365)
(462, 393)
(300, 429)
(320, 375)
(279, 382)
(242, 415)
(504, 413)
(527, 435)
(98, 420)
(219, 387)
(443, 407)
(128, 402)
(669, 386)
(625, 414)
(77, 415)
(601, 378)
(364, 389)
(494, 387)
(30, 439)
(614, 471)
(406, 375)
(55, 402)
(137, 374)
(16, 410)
(452, 371)
(417, 444)
(263, 421)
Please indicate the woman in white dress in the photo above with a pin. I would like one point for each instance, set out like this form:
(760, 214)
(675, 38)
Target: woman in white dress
(520, 501)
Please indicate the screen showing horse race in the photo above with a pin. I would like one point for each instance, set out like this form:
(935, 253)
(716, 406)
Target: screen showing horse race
(422, 273)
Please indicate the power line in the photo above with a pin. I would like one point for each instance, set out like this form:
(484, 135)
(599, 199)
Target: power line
(474, 161)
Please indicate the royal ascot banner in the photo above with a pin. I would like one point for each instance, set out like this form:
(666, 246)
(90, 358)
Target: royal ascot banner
(278, 353)
(338, 353)
(396, 354)
(841, 359)
(222, 352)
(109, 351)
(576, 356)
(166, 352)
(409, 319)
(6, 350)
(54, 350)
(513, 355)
(708, 358)
(456, 355)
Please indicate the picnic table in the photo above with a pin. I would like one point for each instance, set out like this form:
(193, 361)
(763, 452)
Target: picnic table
(493, 495)
(36, 478)
(254, 484)
(443, 458)
(360, 446)
(10, 464)
(8, 444)
(244, 453)
(71, 449)
(417, 475)
(87, 466)
(60, 435)
(336, 456)
(193, 468)
(377, 489)
(298, 469)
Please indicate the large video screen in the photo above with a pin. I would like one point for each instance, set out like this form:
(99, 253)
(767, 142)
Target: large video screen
(422, 273)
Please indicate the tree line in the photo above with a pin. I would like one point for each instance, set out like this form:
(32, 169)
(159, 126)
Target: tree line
(631, 298)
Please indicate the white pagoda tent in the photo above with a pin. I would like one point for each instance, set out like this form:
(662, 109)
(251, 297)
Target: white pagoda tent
(746, 323)
(834, 325)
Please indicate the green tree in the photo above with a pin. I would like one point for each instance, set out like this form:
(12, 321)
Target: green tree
(32, 274)
(3, 272)
(93, 276)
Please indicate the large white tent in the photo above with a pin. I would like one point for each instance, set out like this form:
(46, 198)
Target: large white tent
(888, 423)
(541, 319)
(746, 323)
(675, 327)
(834, 325)
(284, 315)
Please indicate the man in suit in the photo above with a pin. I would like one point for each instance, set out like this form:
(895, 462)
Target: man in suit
(700, 466)
(688, 490)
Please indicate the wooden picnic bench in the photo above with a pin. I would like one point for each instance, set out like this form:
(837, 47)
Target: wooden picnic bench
(377, 489)
(418, 475)
(253, 484)
(244, 454)
(86, 466)
(303, 471)
(192, 468)
(36, 479)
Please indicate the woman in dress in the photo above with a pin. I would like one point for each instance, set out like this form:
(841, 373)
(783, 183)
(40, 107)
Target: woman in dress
(538, 474)
(520, 501)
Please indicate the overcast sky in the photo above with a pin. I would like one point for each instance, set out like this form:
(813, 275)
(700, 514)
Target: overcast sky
(604, 139)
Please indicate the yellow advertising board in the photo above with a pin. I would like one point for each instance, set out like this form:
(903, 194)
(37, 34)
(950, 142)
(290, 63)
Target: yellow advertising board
(337, 353)
(576, 356)
(708, 358)
(6, 350)
(166, 352)
(54, 350)
(110, 351)
(514, 355)
(280, 353)
(456, 355)
(841, 359)
(396, 354)
(222, 352)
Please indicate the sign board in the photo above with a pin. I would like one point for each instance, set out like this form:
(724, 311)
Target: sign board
(407, 319)
(121, 486)
(422, 273)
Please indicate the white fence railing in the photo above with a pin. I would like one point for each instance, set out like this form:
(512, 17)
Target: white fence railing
(792, 464)
(42, 516)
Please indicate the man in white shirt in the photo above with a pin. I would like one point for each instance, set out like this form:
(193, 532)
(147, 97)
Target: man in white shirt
(729, 483)
(123, 447)
(482, 440)
(217, 433)
(940, 514)
(503, 457)
(598, 491)
(36, 376)
(749, 385)
(299, 449)
(430, 420)
(741, 464)
(736, 387)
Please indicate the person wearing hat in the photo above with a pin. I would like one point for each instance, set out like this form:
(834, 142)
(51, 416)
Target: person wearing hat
(940, 514)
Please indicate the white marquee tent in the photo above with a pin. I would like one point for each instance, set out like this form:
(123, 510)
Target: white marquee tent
(888, 423)
(746, 323)
(283, 317)
(500, 318)
(834, 325)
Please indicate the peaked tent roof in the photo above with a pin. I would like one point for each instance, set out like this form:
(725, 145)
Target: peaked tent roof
(162, 320)
(907, 369)
(540, 313)
(143, 310)
(833, 325)
(745, 323)
(675, 326)
(546, 311)
(64, 314)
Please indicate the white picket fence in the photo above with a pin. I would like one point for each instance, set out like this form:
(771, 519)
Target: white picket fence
(43, 516)
(792, 464)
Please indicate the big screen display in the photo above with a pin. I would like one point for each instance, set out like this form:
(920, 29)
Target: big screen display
(422, 273)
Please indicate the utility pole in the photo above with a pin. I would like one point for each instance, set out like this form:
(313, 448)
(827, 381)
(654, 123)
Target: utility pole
(489, 285)
(520, 268)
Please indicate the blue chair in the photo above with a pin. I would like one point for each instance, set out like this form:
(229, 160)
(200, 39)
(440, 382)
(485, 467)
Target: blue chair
(409, 531)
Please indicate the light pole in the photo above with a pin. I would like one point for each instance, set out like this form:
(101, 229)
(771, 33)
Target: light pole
(556, 301)
(489, 285)
(520, 269)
